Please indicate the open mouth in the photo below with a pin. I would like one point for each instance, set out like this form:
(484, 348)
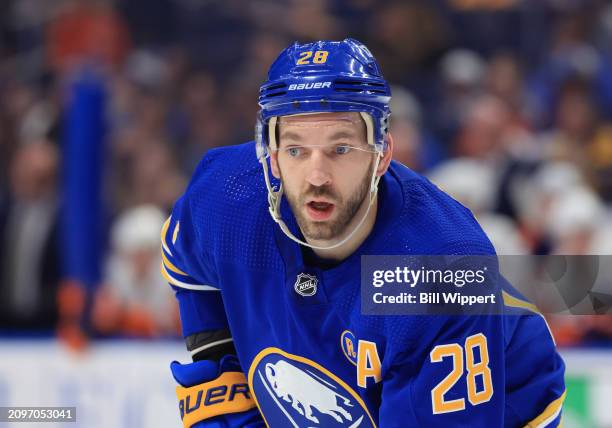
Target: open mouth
(319, 210)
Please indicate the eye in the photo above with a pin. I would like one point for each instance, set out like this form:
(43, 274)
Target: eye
(294, 151)
(342, 150)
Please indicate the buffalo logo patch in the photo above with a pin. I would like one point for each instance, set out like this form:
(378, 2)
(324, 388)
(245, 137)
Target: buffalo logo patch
(293, 391)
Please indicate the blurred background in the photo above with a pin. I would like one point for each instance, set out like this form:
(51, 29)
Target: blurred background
(107, 106)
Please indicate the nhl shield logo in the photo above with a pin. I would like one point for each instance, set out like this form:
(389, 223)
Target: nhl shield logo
(306, 285)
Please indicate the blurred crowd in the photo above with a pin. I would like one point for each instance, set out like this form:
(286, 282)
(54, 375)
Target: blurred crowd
(506, 105)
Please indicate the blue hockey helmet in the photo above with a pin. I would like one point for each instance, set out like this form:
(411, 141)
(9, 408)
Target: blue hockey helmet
(322, 77)
(325, 76)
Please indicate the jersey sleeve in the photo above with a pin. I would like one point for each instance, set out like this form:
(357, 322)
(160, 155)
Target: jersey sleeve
(478, 371)
(190, 271)
(535, 387)
(453, 375)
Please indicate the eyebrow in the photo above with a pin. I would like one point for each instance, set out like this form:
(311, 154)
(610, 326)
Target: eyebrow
(342, 134)
(289, 135)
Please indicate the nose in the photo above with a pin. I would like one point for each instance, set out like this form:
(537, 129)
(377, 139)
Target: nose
(318, 170)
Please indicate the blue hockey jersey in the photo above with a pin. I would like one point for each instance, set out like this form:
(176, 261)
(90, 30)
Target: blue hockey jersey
(312, 359)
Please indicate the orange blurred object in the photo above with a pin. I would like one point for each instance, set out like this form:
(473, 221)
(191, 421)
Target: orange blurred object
(106, 312)
(71, 297)
(138, 322)
(71, 334)
(87, 31)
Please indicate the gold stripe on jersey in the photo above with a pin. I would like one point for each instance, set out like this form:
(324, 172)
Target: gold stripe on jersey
(549, 414)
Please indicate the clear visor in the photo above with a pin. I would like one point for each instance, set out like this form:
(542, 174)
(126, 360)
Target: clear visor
(347, 132)
(331, 149)
(330, 120)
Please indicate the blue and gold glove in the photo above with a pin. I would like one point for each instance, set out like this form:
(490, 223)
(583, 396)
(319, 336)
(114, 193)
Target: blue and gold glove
(215, 395)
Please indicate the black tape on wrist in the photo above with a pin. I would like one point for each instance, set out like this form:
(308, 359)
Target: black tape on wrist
(210, 345)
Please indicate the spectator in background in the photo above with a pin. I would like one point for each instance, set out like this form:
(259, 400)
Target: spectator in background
(29, 241)
(407, 38)
(311, 20)
(474, 183)
(483, 132)
(238, 116)
(134, 299)
(534, 194)
(460, 82)
(504, 80)
(579, 224)
(575, 217)
(405, 127)
(18, 98)
(574, 125)
(204, 107)
(415, 146)
(599, 153)
(145, 156)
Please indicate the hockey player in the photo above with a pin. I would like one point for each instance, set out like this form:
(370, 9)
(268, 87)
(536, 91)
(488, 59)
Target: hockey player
(271, 313)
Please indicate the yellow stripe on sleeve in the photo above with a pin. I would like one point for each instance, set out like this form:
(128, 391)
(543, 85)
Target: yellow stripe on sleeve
(549, 414)
(170, 266)
(510, 300)
(163, 235)
(175, 233)
(188, 286)
(513, 302)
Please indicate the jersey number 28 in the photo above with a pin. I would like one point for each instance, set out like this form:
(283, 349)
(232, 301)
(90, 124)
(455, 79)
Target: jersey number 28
(474, 369)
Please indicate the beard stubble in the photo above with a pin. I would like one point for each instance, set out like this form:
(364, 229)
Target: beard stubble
(346, 211)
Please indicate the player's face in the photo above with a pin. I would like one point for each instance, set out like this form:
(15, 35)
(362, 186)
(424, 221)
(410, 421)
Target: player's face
(325, 165)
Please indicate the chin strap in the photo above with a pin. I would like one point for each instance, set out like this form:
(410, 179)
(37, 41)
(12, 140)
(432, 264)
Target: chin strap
(275, 196)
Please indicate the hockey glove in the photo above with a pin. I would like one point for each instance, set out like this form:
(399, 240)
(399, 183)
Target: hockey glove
(215, 395)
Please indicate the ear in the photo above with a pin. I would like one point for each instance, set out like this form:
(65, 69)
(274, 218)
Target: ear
(274, 164)
(383, 166)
